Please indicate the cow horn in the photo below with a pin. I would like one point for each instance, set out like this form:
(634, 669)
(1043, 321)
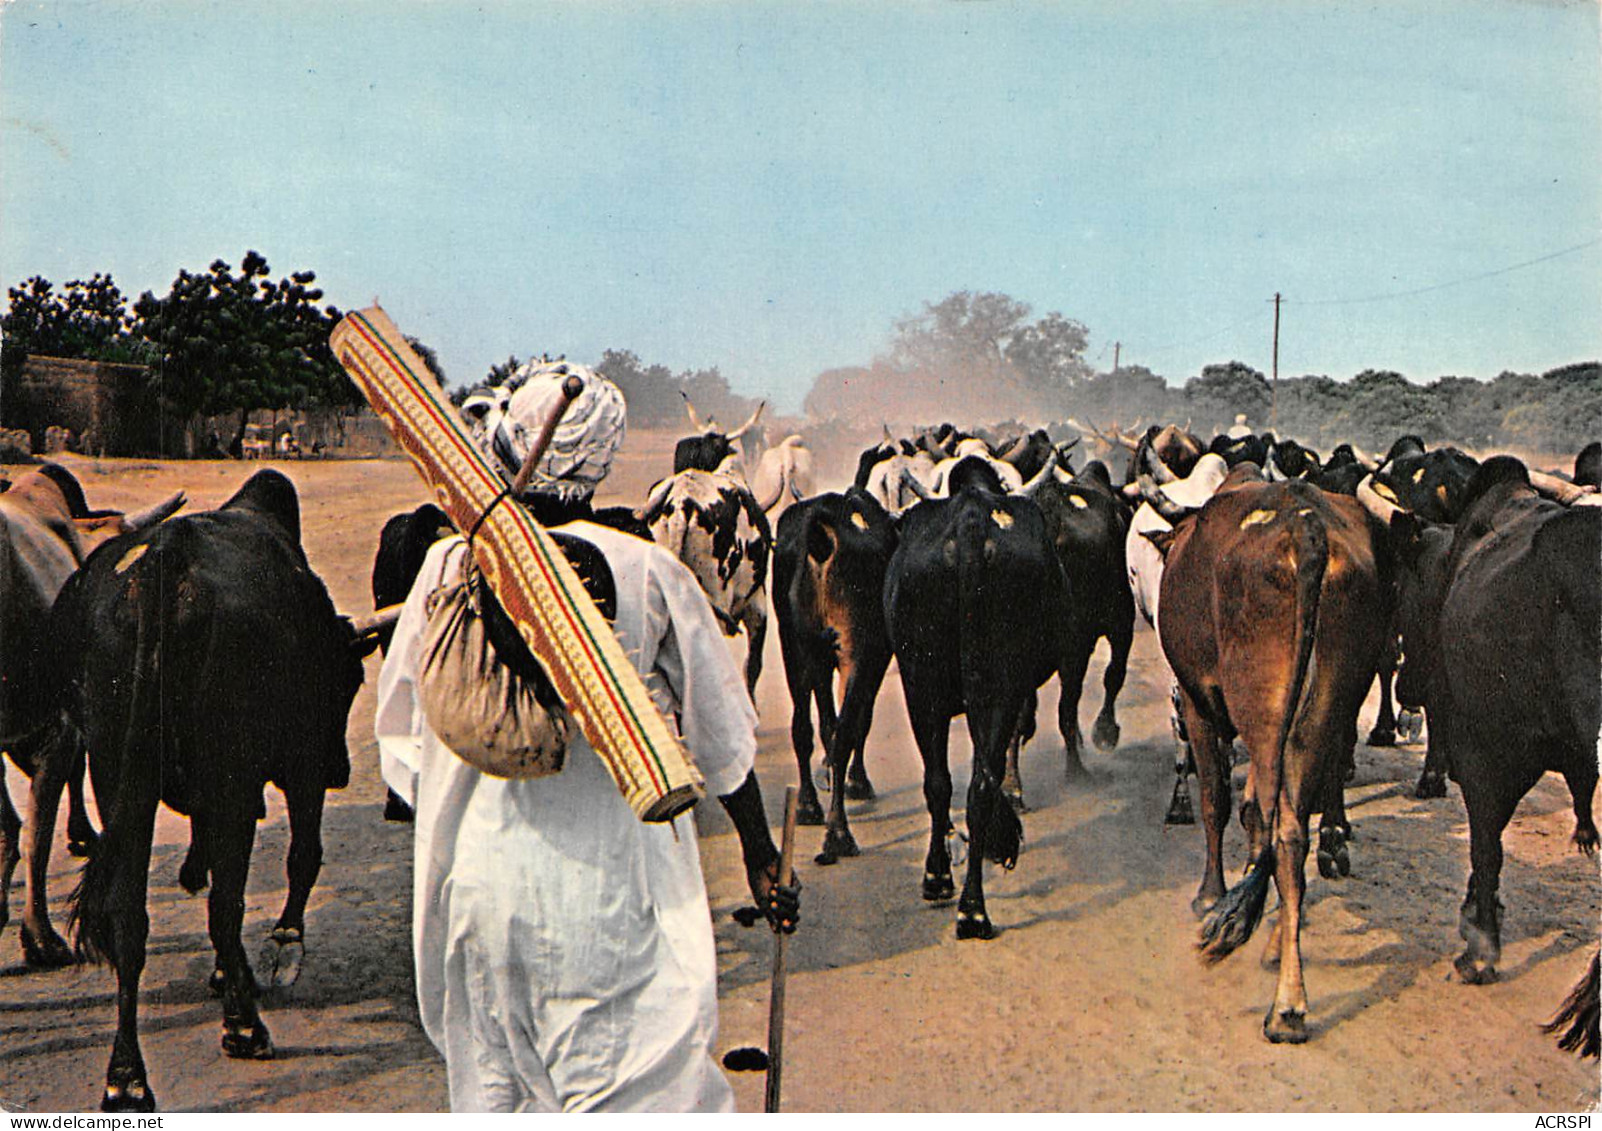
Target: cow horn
(1012, 450)
(1375, 503)
(1551, 487)
(376, 623)
(695, 421)
(1364, 458)
(912, 484)
(1031, 488)
(889, 439)
(155, 514)
(749, 424)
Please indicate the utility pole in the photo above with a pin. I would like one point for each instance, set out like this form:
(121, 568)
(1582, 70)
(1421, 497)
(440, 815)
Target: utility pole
(1273, 403)
(1116, 347)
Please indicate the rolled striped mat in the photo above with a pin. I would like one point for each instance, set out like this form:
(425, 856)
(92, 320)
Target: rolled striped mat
(532, 580)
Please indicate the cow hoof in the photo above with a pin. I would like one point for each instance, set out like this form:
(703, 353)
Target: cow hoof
(1180, 809)
(1472, 971)
(282, 956)
(1287, 1028)
(253, 1045)
(809, 812)
(1202, 904)
(859, 789)
(397, 810)
(938, 889)
(1334, 864)
(1431, 783)
(135, 1095)
(192, 876)
(1382, 736)
(974, 926)
(1105, 734)
(46, 950)
(1410, 725)
(838, 844)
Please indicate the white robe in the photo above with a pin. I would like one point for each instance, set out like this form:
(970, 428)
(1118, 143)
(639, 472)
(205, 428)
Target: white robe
(564, 948)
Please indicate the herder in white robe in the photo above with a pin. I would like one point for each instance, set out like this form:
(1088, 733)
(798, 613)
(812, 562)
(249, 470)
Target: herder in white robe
(564, 949)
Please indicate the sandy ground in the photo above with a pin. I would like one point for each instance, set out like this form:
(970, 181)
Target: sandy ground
(1091, 998)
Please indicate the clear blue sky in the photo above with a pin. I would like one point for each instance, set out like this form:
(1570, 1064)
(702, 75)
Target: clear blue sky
(767, 187)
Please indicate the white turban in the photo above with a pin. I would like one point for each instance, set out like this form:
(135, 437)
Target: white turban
(581, 448)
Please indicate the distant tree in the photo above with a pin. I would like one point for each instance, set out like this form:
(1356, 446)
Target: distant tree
(650, 392)
(234, 343)
(87, 319)
(1050, 353)
(962, 330)
(499, 374)
(1123, 397)
(430, 359)
(1221, 392)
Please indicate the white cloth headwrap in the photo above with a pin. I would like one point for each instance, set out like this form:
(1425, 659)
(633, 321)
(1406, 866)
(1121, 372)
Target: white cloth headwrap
(581, 449)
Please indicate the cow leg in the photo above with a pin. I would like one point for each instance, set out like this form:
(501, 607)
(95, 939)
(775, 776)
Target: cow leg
(127, 923)
(930, 729)
(850, 736)
(1490, 807)
(1212, 774)
(809, 811)
(994, 831)
(1384, 731)
(1432, 781)
(10, 847)
(1105, 733)
(856, 718)
(755, 618)
(1334, 830)
(1180, 810)
(1581, 776)
(228, 839)
(1286, 1022)
(1071, 673)
(41, 945)
(1012, 777)
(285, 949)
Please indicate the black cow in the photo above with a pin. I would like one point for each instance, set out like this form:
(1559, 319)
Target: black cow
(46, 531)
(1432, 484)
(974, 600)
(1503, 634)
(1289, 460)
(197, 661)
(1087, 523)
(829, 560)
(1240, 449)
(403, 543)
(708, 450)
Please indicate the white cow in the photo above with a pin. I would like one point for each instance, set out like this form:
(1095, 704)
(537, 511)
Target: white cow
(1145, 565)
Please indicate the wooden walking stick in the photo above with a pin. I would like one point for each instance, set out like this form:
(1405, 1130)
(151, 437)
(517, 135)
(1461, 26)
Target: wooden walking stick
(776, 993)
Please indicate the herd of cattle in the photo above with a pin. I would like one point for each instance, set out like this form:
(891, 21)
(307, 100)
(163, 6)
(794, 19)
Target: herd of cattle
(1281, 585)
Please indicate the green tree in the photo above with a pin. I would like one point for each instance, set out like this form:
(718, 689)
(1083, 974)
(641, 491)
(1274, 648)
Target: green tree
(1214, 398)
(229, 342)
(87, 319)
(1050, 353)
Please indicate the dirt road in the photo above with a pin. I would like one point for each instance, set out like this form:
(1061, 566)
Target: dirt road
(1091, 998)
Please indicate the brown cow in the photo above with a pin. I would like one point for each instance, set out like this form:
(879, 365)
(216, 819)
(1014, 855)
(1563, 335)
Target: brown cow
(1273, 618)
(46, 531)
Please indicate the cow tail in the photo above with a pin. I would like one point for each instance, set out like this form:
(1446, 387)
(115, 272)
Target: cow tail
(1578, 1016)
(1233, 918)
(1003, 836)
(138, 780)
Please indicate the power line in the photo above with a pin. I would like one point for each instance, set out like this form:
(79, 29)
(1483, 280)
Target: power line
(1453, 283)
